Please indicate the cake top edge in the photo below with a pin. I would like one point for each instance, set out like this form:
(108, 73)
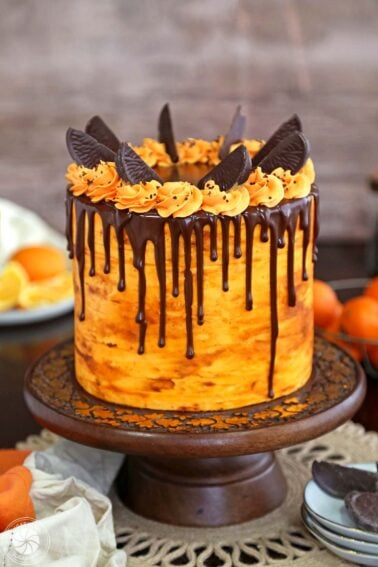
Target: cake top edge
(239, 172)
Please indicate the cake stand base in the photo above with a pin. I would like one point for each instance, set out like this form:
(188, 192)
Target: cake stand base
(202, 492)
(197, 469)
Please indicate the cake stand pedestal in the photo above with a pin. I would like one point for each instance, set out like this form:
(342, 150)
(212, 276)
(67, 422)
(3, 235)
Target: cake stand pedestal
(197, 469)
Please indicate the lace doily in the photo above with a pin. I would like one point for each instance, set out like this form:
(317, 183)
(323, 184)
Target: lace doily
(278, 538)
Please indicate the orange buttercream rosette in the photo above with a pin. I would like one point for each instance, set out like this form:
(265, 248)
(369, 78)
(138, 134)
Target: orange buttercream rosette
(139, 198)
(229, 203)
(308, 170)
(79, 178)
(99, 183)
(295, 186)
(193, 151)
(153, 153)
(179, 199)
(264, 188)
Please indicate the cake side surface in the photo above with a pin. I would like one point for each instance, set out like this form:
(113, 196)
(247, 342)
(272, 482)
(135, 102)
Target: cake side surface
(214, 319)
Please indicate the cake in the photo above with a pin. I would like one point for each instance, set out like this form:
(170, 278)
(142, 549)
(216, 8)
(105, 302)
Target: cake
(193, 265)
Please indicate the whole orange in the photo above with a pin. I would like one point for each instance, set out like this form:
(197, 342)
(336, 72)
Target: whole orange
(334, 325)
(372, 289)
(326, 304)
(41, 262)
(373, 355)
(360, 317)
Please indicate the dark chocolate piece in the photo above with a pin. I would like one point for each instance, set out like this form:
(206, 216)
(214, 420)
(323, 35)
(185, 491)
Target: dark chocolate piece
(363, 508)
(287, 128)
(291, 153)
(132, 168)
(338, 480)
(85, 150)
(233, 170)
(234, 134)
(101, 132)
(166, 135)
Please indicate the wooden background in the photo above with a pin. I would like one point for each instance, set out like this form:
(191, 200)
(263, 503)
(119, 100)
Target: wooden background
(62, 61)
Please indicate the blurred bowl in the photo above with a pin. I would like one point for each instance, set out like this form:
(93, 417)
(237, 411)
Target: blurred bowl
(346, 289)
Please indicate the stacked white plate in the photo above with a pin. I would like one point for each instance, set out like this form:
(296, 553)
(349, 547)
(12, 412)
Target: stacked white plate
(327, 519)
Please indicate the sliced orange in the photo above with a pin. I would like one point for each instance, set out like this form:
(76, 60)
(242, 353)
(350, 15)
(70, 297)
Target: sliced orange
(47, 292)
(13, 279)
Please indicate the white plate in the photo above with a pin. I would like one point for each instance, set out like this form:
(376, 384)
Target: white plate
(20, 227)
(331, 512)
(39, 314)
(350, 555)
(342, 541)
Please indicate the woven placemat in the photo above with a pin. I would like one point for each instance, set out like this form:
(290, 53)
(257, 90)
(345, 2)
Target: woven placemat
(278, 538)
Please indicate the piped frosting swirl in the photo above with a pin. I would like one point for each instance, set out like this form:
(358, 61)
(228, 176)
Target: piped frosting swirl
(228, 203)
(179, 199)
(99, 183)
(264, 188)
(139, 198)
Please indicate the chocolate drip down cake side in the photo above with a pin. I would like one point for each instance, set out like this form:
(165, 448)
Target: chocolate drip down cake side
(193, 265)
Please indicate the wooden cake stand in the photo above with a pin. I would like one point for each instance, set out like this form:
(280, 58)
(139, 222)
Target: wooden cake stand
(197, 469)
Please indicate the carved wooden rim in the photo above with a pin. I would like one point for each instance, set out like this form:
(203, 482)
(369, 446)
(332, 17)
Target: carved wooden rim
(330, 398)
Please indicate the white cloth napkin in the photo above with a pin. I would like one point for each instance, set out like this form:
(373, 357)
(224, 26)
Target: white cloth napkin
(21, 227)
(74, 526)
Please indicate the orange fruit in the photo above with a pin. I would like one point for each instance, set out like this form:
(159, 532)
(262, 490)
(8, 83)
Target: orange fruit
(360, 317)
(13, 279)
(372, 288)
(373, 355)
(53, 290)
(335, 324)
(326, 304)
(41, 262)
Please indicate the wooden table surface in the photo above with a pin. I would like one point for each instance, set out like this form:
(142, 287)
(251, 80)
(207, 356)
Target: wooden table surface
(19, 346)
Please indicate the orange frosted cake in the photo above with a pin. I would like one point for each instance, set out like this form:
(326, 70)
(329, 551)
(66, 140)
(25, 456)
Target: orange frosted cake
(193, 266)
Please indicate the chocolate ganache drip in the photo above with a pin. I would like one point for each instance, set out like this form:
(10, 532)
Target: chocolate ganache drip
(278, 228)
